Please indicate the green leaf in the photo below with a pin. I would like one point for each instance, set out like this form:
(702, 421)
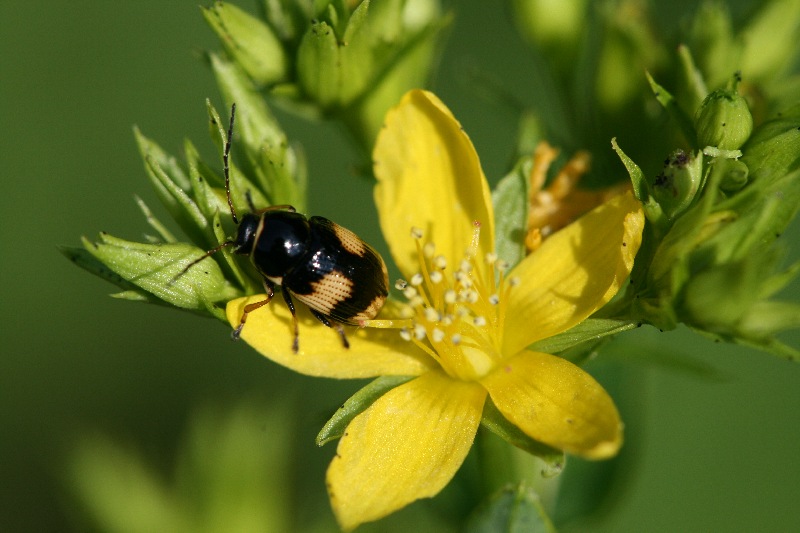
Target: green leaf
(355, 405)
(209, 200)
(90, 263)
(269, 157)
(510, 201)
(511, 510)
(669, 103)
(164, 233)
(155, 268)
(590, 329)
(494, 421)
(171, 183)
(694, 86)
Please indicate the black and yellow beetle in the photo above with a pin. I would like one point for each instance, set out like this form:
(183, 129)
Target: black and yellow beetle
(341, 279)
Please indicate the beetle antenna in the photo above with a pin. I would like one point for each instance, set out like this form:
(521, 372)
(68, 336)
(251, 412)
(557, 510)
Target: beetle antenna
(193, 263)
(226, 168)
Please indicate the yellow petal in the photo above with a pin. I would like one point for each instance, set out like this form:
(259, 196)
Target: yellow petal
(575, 272)
(429, 177)
(555, 402)
(372, 352)
(406, 446)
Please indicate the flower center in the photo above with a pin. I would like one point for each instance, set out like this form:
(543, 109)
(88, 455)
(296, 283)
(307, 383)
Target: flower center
(456, 315)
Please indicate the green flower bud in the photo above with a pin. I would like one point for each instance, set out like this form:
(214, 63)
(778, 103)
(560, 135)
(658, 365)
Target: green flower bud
(557, 26)
(724, 119)
(250, 42)
(676, 186)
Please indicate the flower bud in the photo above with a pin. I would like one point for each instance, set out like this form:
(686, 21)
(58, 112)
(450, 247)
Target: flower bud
(724, 119)
(250, 42)
(676, 186)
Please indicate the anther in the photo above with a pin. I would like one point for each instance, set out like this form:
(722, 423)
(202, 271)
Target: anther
(417, 279)
(416, 232)
(410, 292)
(432, 315)
(437, 335)
(479, 321)
(494, 299)
(400, 284)
(405, 334)
(440, 262)
(419, 332)
(436, 276)
(428, 250)
(450, 296)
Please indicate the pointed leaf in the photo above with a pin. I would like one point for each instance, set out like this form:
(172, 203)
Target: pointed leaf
(355, 405)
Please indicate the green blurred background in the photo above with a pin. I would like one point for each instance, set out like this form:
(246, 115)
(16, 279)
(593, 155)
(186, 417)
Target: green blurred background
(709, 449)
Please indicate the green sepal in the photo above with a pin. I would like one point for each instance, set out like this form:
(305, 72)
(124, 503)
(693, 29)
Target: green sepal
(692, 87)
(277, 166)
(156, 269)
(207, 188)
(652, 210)
(164, 234)
(171, 183)
(287, 18)
(513, 509)
(357, 404)
(246, 282)
(510, 201)
(671, 105)
(494, 421)
(249, 42)
(774, 148)
(82, 258)
(357, 65)
(591, 329)
(240, 186)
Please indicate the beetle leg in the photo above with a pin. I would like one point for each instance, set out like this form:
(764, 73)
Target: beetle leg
(288, 298)
(331, 324)
(269, 287)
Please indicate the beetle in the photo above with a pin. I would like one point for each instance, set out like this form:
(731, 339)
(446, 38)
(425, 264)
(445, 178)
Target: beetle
(338, 276)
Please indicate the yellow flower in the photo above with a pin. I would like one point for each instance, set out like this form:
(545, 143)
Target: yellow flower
(465, 331)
